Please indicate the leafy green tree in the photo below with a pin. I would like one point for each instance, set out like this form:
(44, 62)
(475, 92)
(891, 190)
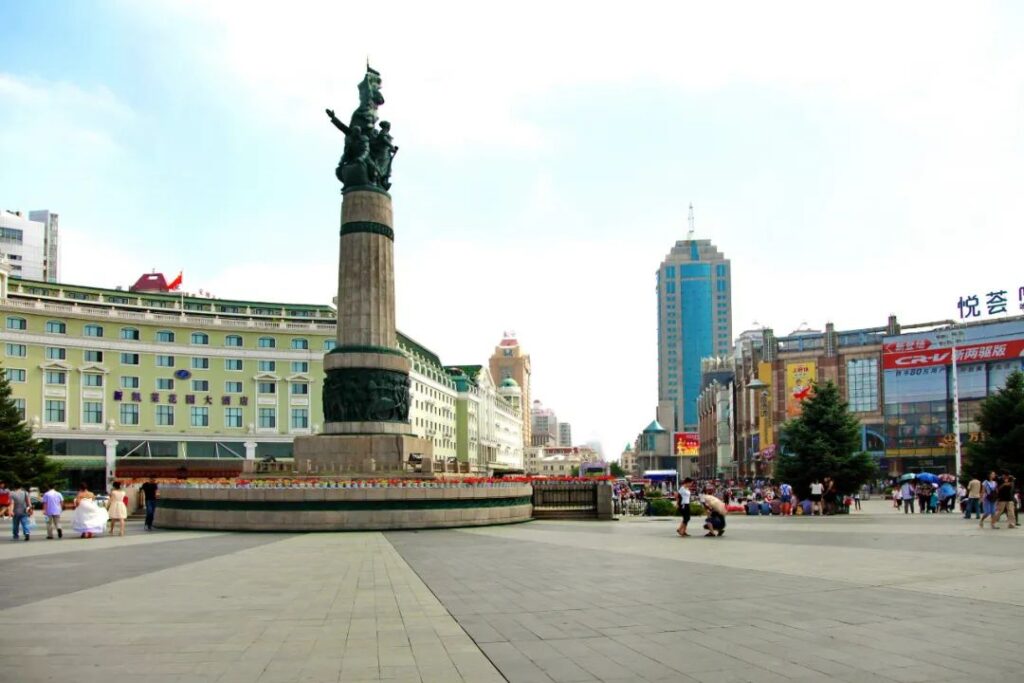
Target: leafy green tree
(1002, 422)
(824, 441)
(575, 471)
(22, 460)
(617, 470)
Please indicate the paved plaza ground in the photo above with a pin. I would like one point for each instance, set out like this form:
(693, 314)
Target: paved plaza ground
(875, 596)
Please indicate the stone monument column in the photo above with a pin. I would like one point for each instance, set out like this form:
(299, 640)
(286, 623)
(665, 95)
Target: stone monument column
(366, 388)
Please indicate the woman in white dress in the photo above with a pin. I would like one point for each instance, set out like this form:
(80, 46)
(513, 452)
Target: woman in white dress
(116, 508)
(90, 518)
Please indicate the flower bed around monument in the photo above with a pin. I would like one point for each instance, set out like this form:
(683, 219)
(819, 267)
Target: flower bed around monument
(329, 483)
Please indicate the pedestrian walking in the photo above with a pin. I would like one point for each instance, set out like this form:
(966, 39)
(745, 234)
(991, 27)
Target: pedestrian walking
(149, 496)
(53, 504)
(896, 500)
(907, 496)
(90, 519)
(1004, 502)
(117, 509)
(20, 510)
(683, 499)
(988, 498)
(973, 498)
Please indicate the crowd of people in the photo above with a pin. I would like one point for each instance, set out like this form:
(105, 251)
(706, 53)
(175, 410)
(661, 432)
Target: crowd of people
(89, 517)
(992, 499)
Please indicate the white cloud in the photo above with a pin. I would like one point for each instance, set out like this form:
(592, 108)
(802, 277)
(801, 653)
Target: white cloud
(917, 107)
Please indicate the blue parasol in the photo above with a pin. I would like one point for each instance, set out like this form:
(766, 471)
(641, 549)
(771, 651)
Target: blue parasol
(928, 477)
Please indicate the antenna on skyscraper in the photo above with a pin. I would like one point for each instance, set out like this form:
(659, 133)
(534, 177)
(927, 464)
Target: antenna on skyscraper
(689, 219)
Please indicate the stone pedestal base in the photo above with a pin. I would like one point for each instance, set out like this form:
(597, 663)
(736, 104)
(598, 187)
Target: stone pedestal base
(360, 454)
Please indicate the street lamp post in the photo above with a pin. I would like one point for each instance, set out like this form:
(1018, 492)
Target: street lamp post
(953, 337)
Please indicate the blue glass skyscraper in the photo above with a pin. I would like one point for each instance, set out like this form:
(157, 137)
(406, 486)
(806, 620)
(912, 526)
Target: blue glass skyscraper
(694, 322)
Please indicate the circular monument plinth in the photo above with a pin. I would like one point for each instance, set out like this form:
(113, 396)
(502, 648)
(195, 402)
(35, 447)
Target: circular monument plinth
(342, 509)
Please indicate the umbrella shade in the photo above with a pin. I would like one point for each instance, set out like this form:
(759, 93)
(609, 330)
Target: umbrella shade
(908, 476)
(947, 490)
(928, 477)
(951, 478)
(715, 504)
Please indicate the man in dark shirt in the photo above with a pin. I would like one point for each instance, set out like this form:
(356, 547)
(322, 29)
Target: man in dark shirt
(1004, 502)
(149, 491)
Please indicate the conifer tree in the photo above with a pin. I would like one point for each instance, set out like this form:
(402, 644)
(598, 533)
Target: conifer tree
(824, 441)
(1002, 424)
(22, 460)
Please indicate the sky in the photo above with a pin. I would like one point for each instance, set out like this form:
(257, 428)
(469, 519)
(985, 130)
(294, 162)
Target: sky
(852, 160)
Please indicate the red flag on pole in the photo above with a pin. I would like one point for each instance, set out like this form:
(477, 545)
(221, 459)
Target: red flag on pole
(176, 282)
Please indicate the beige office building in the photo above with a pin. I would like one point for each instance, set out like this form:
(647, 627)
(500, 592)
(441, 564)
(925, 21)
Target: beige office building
(509, 361)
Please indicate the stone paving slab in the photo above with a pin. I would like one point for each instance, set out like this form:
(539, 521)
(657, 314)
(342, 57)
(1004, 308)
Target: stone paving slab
(872, 597)
(312, 607)
(895, 599)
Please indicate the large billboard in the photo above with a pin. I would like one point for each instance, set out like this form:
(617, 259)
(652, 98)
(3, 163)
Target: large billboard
(923, 352)
(800, 378)
(686, 444)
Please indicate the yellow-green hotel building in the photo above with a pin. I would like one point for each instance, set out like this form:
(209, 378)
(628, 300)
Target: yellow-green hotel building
(109, 373)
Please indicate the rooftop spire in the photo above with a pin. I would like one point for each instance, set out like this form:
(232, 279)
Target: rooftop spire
(689, 220)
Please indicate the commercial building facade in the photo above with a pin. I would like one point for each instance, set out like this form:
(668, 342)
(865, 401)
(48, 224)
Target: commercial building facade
(488, 421)
(543, 426)
(102, 373)
(918, 388)
(897, 381)
(29, 245)
(557, 461)
(564, 434)
(750, 394)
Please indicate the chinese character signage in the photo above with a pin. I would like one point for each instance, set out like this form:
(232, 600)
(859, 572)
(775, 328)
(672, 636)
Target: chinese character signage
(989, 303)
(686, 444)
(800, 378)
(924, 353)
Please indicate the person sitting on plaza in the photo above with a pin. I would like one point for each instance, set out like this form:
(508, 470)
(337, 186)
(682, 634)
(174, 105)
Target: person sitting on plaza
(714, 523)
